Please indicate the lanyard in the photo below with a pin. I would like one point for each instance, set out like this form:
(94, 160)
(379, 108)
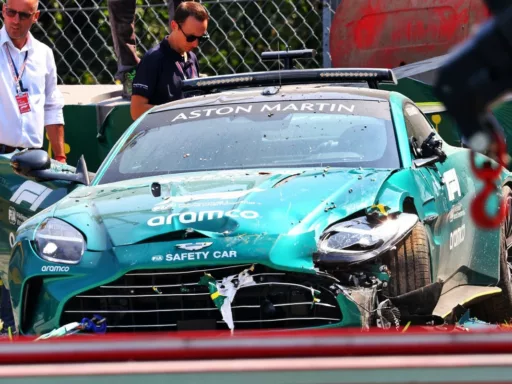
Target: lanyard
(14, 71)
(180, 68)
(193, 70)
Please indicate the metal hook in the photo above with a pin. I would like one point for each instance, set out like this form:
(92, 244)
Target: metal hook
(479, 214)
(489, 175)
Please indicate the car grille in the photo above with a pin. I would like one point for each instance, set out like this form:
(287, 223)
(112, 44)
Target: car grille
(164, 300)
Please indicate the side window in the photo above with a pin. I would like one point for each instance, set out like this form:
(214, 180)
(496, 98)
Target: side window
(416, 124)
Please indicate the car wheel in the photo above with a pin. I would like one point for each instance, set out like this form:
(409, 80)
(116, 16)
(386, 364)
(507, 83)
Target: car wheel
(409, 265)
(499, 308)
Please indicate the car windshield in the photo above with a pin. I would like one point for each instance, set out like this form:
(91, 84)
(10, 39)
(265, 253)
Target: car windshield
(305, 133)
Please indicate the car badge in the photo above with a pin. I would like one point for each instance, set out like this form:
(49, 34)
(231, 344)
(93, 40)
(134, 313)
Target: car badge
(193, 246)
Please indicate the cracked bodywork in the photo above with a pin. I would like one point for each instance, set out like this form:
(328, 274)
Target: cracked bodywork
(115, 234)
(288, 245)
(292, 246)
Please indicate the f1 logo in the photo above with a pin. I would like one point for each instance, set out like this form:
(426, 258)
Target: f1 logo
(452, 184)
(31, 193)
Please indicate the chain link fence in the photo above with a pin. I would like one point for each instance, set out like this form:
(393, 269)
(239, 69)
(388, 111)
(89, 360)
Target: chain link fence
(240, 30)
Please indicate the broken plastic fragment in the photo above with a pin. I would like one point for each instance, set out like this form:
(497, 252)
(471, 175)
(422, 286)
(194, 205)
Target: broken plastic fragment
(66, 329)
(406, 327)
(314, 294)
(388, 315)
(155, 289)
(468, 323)
(96, 324)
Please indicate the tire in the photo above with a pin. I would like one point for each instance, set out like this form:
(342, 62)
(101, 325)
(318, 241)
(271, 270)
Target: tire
(498, 308)
(409, 265)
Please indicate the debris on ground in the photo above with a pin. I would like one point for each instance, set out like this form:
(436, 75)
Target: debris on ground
(97, 324)
(472, 323)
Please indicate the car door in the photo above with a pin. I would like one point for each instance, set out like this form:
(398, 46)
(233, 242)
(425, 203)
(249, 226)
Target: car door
(431, 183)
(471, 252)
(456, 236)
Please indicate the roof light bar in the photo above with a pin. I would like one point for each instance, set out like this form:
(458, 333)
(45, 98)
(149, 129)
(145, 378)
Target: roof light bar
(373, 76)
(205, 82)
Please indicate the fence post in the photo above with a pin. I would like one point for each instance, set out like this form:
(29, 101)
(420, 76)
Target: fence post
(326, 28)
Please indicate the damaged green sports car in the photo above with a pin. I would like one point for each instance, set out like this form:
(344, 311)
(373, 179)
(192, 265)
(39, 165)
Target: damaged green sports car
(294, 199)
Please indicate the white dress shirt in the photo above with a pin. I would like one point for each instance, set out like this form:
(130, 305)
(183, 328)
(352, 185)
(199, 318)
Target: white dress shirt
(40, 78)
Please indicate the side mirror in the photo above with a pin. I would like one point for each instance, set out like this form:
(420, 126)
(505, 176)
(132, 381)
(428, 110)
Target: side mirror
(430, 151)
(36, 164)
(432, 146)
(427, 161)
(32, 160)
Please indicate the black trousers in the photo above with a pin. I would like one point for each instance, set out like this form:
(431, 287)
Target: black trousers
(6, 149)
(122, 23)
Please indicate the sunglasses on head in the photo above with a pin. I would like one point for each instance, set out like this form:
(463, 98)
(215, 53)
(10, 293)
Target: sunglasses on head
(192, 38)
(23, 15)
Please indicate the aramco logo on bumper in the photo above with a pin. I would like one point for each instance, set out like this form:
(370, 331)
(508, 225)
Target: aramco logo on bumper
(194, 217)
(54, 268)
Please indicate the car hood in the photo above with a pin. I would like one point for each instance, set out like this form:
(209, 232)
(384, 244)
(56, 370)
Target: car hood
(218, 204)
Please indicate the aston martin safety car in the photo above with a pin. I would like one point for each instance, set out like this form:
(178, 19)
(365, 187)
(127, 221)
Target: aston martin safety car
(287, 199)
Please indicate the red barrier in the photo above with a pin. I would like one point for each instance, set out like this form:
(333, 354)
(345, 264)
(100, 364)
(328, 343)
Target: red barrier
(220, 345)
(404, 364)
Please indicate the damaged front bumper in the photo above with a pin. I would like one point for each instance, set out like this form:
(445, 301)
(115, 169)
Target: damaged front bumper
(232, 297)
(163, 296)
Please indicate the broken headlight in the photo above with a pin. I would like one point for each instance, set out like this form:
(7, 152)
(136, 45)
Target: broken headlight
(359, 240)
(59, 242)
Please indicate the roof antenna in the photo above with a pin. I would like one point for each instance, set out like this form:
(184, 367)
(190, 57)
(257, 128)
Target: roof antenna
(279, 62)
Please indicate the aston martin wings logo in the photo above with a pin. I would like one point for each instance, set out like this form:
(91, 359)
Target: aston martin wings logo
(193, 246)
